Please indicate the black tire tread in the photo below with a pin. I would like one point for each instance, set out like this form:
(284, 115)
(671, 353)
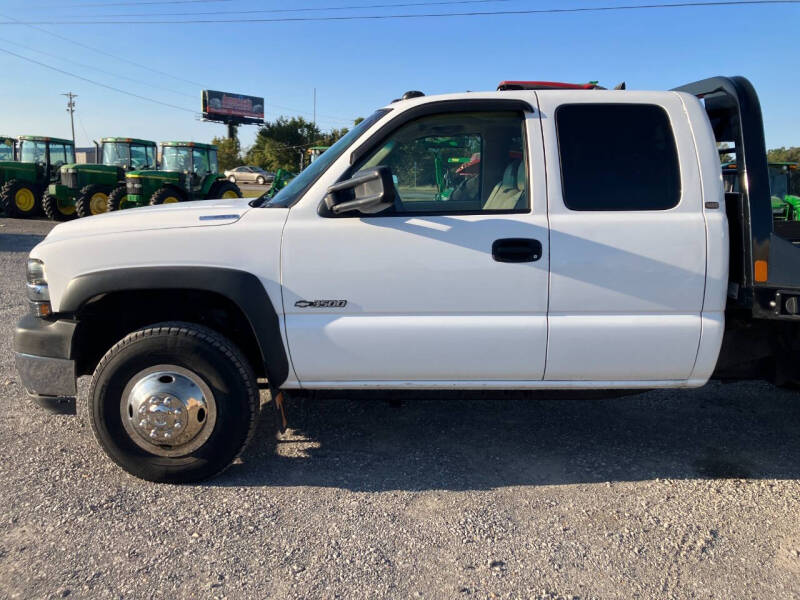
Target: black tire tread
(157, 199)
(82, 204)
(7, 200)
(50, 208)
(203, 334)
(116, 196)
(219, 188)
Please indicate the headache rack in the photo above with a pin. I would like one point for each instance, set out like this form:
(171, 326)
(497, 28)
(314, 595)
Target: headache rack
(764, 256)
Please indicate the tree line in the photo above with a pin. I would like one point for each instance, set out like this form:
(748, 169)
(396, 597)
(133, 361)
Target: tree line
(280, 144)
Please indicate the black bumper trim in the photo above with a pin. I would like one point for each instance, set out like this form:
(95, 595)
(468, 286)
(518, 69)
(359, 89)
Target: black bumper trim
(43, 337)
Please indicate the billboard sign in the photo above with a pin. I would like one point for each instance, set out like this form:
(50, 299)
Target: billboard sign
(227, 107)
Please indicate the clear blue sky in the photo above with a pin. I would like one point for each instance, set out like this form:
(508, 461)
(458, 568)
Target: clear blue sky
(357, 66)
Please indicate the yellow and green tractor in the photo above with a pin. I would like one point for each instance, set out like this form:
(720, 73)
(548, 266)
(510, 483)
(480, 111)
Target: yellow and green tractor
(189, 171)
(91, 189)
(23, 181)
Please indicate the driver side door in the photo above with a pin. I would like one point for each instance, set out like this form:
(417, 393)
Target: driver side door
(428, 293)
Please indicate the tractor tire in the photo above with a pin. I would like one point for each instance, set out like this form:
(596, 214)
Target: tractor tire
(20, 200)
(166, 195)
(224, 189)
(117, 199)
(93, 200)
(260, 180)
(232, 179)
(55, 211)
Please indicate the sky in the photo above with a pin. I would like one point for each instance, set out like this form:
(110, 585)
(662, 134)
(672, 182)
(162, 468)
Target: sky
(357, 66)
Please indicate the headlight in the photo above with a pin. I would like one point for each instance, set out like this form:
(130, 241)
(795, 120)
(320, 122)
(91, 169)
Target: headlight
(134, 187)
(35, 271)
(37, 290)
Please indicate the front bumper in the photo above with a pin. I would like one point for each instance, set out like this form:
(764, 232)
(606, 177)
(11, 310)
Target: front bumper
(42, 350)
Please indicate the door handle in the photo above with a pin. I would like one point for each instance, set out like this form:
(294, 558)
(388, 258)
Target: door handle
(516, 250)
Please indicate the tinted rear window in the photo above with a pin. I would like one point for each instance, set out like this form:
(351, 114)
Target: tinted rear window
(617, 157)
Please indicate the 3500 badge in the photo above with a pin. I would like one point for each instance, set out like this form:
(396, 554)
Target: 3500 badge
(321, 303)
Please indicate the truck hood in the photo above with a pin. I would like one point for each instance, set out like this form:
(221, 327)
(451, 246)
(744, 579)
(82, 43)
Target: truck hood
(201, 213)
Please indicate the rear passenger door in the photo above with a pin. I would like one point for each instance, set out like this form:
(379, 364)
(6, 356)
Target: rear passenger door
(628, 240)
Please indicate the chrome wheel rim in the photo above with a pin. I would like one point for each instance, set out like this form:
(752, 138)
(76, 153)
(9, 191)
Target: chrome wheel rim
(168, 410)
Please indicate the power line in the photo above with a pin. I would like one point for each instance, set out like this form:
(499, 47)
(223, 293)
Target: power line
(308, 8)
(93, 82)
(119, 90)
(98, 69)
(101, 4)
(200, 85)
(540, 11)
(101, 51)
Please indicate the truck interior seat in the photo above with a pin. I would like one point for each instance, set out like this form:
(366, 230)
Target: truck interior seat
(509, 193)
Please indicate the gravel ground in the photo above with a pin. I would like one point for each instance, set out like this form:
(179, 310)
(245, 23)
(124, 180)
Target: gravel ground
(668, 494)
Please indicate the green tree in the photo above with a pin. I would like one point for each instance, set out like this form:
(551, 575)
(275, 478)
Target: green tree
(228, 152)
(783, 154)
(282, 143)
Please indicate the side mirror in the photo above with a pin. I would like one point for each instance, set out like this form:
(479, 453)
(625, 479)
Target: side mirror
(372, 191)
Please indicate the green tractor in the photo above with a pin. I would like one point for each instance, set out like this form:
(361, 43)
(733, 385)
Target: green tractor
(782, 184)
(282, 178)
(23, 181)
(8, 148)
(91, 189)
(189, 171)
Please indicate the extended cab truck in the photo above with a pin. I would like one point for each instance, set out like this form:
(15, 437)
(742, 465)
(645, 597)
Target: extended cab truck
(591, 247)
(90, 189)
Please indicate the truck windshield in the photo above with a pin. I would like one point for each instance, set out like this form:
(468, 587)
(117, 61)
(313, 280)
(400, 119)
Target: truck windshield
(176, 158)
(116, 154)
(298, 186)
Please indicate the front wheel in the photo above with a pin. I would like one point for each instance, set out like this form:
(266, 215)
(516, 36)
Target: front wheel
(232, 179)
(93, 200)
(165, 196)
(55, 210)
(261, 180)
(118, 198)
(173, 402)
(225, 190)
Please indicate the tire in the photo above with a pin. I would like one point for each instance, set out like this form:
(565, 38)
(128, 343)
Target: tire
(20, 200)
(166, 195)
(151, 357)
(232, 179)
(55, 211)
(224, 189)
(117, 198)
(260, 180)
(93, 200)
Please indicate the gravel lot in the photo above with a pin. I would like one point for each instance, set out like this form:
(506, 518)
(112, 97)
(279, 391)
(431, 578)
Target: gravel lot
(669, 494)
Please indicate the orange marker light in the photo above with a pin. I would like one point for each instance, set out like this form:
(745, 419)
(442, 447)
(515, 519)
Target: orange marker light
(761, 270)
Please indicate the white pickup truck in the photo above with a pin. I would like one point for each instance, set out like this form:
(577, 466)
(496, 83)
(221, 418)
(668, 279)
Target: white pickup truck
(541, 236)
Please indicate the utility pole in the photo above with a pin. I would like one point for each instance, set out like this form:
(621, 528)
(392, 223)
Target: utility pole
(71, 110)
